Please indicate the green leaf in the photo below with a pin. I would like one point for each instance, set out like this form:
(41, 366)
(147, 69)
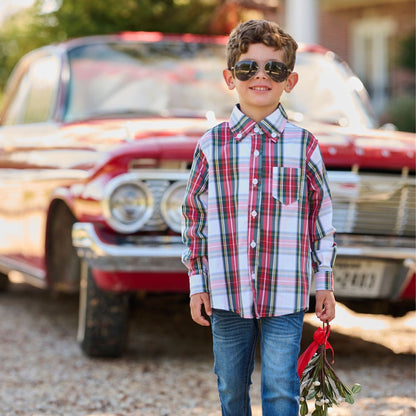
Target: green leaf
(333, 386)
(349, 399)
(356, 388)
(318, 412)
(303, 408)
(312, 394)
(306, 383)
(342, 389)
(328, 391)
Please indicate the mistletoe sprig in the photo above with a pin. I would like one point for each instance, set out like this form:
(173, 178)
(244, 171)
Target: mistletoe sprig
(320, 382)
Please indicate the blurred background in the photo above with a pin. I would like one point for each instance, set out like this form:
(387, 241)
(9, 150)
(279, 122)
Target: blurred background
(376, 37)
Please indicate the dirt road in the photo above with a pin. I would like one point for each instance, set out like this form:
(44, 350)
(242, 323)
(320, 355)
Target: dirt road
(167, 369)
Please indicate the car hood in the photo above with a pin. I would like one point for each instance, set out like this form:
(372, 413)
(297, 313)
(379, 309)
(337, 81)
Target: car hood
(369, 149)
(119, 140)
(157, 139)
(110, 134)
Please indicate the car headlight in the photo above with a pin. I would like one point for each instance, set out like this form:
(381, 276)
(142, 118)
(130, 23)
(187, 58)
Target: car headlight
(171, 205)
(127, 204)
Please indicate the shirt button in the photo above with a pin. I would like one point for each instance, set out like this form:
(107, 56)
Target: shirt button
(254, 213)
(239, 136)
(255, 181)
(256, 130)
(253, 244)
(256, 153)
(274, 134)
(253, 275)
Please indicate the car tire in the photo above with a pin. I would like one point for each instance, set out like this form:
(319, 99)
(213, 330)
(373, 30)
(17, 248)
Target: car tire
(103, 318)
(63, 263)
(4, 282)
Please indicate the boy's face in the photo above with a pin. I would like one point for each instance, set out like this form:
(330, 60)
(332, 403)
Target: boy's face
(259, 96)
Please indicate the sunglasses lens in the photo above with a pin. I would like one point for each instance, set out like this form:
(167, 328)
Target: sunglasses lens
(245, 70)
(277, 71)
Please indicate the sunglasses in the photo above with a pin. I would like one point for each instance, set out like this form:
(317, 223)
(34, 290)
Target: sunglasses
(277, 71)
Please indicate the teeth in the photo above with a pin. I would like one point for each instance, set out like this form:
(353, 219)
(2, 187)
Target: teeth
(260, 88)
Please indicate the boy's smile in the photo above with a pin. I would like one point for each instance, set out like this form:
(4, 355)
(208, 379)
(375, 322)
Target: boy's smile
(259, 96)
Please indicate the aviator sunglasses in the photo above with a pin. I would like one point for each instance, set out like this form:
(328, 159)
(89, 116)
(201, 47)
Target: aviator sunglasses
(277, 71)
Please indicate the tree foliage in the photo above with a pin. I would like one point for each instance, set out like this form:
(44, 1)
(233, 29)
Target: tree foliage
(32, 28)
(80, 17)
(407, 52)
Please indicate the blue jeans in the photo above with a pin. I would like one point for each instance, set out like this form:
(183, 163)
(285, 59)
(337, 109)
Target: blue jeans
(234, 342)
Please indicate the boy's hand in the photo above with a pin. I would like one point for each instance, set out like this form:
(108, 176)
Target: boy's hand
(325, 305)
(197, 301)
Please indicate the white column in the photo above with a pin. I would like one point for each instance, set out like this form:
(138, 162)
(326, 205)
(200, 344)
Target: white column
(302, 20)
(380, 73)
(370, 56)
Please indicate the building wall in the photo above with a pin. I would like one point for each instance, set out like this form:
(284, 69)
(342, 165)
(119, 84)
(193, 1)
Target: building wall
(336, 22)
(368, 36)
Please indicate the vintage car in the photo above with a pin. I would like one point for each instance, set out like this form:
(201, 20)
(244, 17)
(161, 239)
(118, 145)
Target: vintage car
(97, 136)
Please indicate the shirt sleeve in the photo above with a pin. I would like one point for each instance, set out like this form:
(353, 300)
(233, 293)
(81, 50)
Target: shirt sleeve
(321, 230)
(194, 219)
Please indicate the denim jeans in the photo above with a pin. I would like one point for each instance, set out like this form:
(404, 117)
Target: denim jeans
(234, 343)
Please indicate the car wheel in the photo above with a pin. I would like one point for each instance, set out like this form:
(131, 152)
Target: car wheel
(103, 318)
(62, 261)
(4, 282)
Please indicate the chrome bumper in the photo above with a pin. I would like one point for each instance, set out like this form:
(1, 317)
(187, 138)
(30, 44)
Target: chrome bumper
(374, 267)
(376, 247)
(163, 253)
(139, 254)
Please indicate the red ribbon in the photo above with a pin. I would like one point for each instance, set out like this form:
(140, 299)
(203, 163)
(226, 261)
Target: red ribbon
(319, 337)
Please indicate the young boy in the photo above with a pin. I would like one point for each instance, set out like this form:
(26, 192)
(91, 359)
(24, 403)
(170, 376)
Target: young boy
(257, 224)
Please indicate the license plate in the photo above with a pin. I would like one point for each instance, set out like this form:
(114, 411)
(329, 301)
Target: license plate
(358, 278)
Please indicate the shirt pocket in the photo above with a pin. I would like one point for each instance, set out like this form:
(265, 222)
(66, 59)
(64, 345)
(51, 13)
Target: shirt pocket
(286, 183)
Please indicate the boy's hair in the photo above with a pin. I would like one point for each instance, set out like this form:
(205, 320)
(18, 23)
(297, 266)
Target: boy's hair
(260, 31)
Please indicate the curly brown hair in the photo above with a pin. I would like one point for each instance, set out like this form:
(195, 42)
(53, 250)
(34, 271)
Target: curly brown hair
(260, 31)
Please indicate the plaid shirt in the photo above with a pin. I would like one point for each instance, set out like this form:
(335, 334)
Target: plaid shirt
(258, 217)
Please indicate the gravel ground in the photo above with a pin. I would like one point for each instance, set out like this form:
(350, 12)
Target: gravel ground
(167, 369)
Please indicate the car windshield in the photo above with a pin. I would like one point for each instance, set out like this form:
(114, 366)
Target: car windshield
(185, 79)
(161, 78)
(328, 91)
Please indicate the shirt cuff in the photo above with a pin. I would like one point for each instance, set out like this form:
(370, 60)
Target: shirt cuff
(197, 284)
(324, 280)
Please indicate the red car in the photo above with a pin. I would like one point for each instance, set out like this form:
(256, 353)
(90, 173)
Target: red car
(96, 140)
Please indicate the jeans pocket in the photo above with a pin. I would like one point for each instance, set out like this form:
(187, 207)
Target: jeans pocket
(286, 182)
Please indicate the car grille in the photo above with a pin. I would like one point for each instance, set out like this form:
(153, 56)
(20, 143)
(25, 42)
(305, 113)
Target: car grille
(373, 204)
(363, 204)
(156, 221)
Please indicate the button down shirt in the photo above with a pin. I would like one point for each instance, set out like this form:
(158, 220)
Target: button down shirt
(258, 217)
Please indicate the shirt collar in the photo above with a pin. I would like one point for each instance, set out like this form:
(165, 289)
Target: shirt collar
(272, 126)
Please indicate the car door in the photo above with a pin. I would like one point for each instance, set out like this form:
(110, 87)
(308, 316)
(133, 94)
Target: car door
(26, 132)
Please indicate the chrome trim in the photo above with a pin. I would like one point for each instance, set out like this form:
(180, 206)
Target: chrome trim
(158, 188)
(111, 187)
(157, 183)
(137, 254)
(164, 174)
(397, 254)
(20, 272)
(164, 209)
(373, 204)
(83, 301)
(377, 247)
(376, 253)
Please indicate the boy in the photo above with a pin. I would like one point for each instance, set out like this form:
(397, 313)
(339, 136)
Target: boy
(257, 223)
